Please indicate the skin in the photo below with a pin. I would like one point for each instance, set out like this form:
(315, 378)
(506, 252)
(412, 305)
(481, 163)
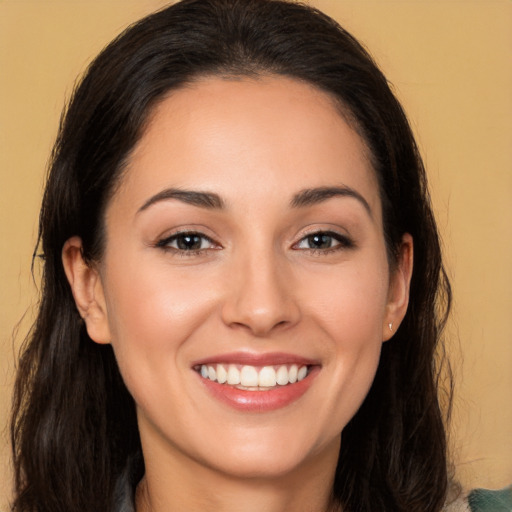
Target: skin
(257, 286)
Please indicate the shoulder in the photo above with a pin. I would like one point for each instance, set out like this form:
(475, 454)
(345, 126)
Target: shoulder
(483, 500)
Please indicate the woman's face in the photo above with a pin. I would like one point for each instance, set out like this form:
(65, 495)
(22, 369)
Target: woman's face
(245, 286)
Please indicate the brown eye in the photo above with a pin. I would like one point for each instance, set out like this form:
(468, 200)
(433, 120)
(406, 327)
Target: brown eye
(187, 242)
(319, 241)
(324, 241)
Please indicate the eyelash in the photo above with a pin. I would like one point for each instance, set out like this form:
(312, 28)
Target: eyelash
(343, 243)
(165, 243)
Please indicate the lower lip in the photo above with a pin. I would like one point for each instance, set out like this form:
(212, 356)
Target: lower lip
(260, 401)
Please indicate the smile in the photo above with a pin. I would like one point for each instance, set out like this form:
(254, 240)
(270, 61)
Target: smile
(257, 383)
(253, 378)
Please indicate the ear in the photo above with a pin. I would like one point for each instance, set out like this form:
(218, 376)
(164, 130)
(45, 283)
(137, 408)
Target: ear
(399, 285)
(87, 290)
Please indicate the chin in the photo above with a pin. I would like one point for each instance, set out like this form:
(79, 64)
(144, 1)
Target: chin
(273, 458)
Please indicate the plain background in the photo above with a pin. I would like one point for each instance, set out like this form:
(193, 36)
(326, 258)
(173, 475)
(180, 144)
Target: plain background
(449, 62)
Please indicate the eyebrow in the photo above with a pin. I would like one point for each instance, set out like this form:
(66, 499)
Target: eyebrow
(312, 196)
(210, 200)
(207, 200)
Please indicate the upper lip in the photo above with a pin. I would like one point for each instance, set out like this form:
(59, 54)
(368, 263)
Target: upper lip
(252, 359)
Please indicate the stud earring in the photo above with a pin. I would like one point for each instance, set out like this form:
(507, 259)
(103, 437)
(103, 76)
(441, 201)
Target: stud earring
(390, 325)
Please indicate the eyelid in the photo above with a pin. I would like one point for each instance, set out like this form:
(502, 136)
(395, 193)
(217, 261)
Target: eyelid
(165, 241)
(344, 241)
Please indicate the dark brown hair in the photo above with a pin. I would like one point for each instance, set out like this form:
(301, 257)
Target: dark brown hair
(74, 429)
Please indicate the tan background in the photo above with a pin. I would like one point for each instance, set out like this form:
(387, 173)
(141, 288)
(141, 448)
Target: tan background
(450, 63)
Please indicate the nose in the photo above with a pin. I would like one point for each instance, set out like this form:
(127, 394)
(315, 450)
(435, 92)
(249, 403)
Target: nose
(260, 296)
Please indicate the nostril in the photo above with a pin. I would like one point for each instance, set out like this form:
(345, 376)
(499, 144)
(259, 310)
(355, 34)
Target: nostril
(261, 329)
(259, 302)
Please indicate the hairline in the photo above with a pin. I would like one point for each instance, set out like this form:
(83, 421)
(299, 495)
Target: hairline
(255, 74)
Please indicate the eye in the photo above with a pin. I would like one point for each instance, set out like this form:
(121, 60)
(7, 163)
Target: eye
(324, 241)
(188, 241)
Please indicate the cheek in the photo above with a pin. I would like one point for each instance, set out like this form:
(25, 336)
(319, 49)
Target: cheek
(354, 319)
(351, 315)
(147, 297)
(151, 314)
(350, 302)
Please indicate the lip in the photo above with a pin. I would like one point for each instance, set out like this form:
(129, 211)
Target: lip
(251, 359)
(259, 401)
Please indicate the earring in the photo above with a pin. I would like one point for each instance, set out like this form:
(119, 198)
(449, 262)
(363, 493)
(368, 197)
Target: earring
(390, 325)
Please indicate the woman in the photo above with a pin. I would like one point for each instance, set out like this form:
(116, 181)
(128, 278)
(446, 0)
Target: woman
(243, 286)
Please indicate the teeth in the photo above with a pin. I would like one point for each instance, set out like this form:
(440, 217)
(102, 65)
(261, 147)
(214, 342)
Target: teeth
(254, 377)
(222, 374)
(249, 376)
(233, 375)
(282, 376)
(292, 374)
(267, 377)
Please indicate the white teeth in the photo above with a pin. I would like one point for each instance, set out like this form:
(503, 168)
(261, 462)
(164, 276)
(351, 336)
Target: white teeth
(233, 375)
(222, 374)
(282, 376)
(267, 377)
(292, 374)
(249, 376)
(303, 371)
(254, 377)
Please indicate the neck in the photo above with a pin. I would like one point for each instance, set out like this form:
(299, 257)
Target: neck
(175, 487)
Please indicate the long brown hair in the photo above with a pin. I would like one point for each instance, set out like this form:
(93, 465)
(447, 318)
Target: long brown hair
(74, 429)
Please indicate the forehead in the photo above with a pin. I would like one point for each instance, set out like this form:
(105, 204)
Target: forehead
(240, 137)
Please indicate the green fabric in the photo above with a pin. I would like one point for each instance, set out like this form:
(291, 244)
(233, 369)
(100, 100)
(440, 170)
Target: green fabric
(483, 500)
